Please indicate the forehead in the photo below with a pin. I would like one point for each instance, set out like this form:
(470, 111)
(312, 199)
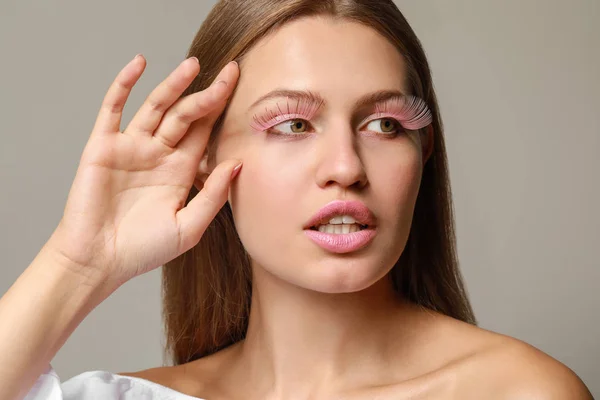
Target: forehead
(338, 58)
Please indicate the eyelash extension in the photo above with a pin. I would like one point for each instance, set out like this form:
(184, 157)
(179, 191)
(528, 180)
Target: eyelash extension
(414, 113)
(410, 112)
(302, 107)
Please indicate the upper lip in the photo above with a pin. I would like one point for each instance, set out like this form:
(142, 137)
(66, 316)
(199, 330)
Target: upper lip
(356, 209)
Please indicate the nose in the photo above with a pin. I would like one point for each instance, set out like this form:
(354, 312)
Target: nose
(339, 159)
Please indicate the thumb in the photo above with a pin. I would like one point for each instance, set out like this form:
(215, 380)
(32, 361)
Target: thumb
(194, 218)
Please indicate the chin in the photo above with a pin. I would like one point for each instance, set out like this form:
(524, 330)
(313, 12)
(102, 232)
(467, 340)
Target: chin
(336, 276)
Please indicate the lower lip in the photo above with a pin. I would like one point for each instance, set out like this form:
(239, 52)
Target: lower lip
(343, 242)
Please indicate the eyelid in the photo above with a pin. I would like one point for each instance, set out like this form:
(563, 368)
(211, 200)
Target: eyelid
(380, 115)
(302, 109)
(262, 124)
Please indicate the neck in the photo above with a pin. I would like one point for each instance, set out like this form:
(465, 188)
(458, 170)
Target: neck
(302, 343)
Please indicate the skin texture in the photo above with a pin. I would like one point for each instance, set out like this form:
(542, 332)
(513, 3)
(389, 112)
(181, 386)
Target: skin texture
(325, 325)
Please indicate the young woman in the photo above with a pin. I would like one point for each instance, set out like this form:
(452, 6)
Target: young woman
(324, 268)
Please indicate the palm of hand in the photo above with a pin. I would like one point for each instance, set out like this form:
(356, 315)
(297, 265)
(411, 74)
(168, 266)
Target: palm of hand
(134, 187)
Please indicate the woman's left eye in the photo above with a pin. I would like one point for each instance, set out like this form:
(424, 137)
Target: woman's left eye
(387, 125)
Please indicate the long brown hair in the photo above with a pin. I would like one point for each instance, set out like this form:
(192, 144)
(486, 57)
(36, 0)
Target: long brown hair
(207, 290)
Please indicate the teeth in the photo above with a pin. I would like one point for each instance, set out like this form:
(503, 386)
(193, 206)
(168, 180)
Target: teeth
(339, 228)
(342, 219)
(341, 224)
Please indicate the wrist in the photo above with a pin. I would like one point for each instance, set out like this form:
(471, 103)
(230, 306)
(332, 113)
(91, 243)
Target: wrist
(56, 262)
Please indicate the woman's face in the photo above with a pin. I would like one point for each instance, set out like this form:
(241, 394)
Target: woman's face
(300, 155)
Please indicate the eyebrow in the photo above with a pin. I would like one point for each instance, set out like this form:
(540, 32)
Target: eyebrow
(369, 99)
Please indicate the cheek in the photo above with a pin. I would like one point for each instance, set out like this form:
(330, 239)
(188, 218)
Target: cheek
(266, 195)
(268, 178)
(266, 208)
(396, 183)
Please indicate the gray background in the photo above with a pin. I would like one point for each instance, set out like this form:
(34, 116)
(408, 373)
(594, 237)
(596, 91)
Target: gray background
(518, 87)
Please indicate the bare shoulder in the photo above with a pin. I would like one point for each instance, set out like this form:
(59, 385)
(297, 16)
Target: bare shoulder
(177, 378)
(512, 369)
(161, 375)
(196, 378)
(486, 364)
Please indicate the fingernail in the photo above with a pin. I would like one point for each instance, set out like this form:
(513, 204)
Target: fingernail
(221, 81)
(139, 55)
(236, 170)
(195, 58)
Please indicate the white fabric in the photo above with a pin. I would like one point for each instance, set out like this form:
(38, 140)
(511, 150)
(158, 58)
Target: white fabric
(100, 385)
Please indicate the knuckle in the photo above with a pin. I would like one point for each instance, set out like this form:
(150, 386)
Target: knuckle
(208, 199)
(122, 86)
(156, 104)
(112, 107)
(204, 102)
(212, 191)
(182, 114)
(115, 100)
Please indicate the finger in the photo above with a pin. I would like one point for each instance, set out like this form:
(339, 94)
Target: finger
(210, 101)
(194, 218)
(194, 140)
(162, 97)
(111, 110)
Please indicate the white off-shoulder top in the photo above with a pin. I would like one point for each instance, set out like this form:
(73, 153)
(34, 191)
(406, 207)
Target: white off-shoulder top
(100, 385)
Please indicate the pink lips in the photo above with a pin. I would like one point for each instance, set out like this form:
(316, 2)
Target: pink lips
(342, 243)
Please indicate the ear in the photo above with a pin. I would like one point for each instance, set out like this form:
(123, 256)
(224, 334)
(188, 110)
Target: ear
(427, 143)
(202, 173)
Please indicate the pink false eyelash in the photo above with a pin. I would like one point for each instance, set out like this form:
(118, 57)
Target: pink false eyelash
(303, 108)
(413, 112)
(410, 111)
